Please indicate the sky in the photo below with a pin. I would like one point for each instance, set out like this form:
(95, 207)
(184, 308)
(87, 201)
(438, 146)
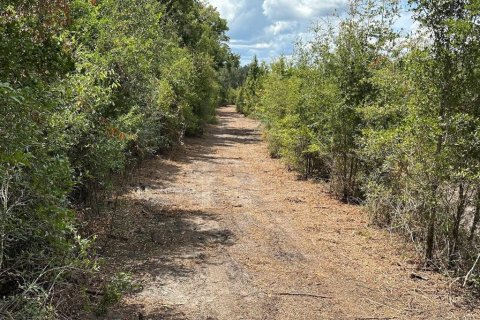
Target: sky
(269, 28)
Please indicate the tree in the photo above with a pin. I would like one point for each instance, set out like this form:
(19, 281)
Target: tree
(452, 113)
(389, 121)
(252, 86)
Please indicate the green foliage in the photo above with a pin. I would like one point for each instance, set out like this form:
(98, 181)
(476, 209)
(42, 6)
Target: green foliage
(249, 93)
(422, 139)
(231, 77)
(113, 291)
(312, 108)
(98, 85)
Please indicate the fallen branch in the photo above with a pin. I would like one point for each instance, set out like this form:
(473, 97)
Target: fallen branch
(374, 318)
(419, 277)
(94, 292)
(471, 271)
(299, 294)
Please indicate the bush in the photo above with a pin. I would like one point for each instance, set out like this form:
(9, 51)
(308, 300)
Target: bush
(390, 121)
(99, 86)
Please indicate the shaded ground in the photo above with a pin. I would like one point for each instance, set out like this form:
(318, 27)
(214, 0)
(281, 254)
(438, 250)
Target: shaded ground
(221, 231)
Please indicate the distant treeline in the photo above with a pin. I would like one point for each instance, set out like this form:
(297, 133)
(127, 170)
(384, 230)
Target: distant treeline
(88, 88)
(390, 120)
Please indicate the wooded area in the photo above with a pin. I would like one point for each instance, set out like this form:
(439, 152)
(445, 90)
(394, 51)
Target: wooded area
(390, 120)
(87, 89)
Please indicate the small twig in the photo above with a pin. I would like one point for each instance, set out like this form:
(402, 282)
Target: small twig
(299, 294)
(386, 305)
(471, 270)
(419, 276)
(94, 292)
(375, 318)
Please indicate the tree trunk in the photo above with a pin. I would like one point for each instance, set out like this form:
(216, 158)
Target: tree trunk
(456, 225)
(476, 217)
(432, 216)
(432, 210)
(430, 244)
(442, 114)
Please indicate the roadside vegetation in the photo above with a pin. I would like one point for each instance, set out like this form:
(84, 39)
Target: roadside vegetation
(88, 89)
(391, 121)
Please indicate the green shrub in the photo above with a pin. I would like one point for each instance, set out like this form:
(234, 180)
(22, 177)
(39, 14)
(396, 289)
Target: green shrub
(99, 85)
(114, 290)
(390, 121)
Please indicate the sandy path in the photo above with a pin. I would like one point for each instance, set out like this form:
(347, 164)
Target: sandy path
(221, 231)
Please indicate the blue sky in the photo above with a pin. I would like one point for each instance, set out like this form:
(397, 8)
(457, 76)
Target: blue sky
(268, 28)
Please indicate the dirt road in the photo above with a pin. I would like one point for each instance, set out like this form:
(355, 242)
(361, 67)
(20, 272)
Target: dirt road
(221, 231)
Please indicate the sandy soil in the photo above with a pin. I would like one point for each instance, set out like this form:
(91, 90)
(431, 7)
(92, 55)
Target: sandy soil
(221, 231)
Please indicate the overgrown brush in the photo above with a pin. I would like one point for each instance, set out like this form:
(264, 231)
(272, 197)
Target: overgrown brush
(87, 88)
(388, 119)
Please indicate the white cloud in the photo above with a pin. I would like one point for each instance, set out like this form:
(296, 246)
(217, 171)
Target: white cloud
(300, 9)
(279, 27)
(269, 28)
(260, 45)
(228, 9)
